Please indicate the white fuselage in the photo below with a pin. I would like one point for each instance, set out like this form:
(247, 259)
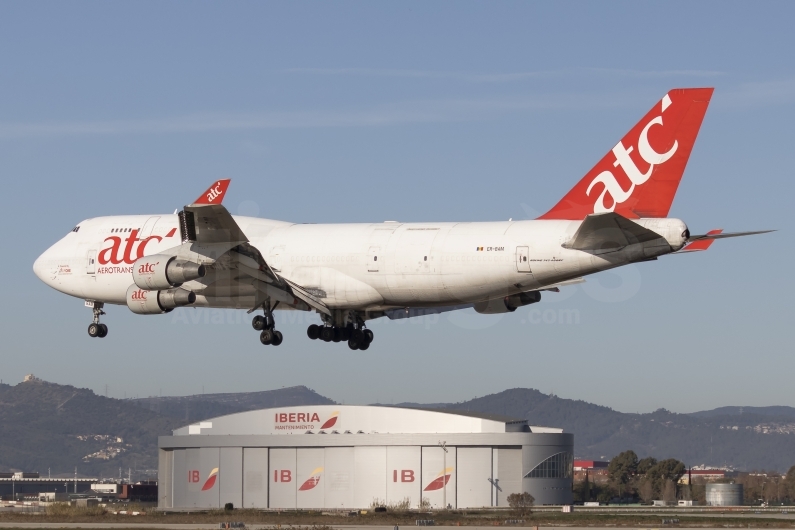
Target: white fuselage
(350, 266)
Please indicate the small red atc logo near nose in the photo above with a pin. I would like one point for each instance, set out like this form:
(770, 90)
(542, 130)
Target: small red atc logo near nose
(138, 294)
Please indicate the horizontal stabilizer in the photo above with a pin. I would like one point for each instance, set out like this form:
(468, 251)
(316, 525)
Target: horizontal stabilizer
(703, 242)
(608, 232)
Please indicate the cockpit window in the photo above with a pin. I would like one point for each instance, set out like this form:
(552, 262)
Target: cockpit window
(75, 229)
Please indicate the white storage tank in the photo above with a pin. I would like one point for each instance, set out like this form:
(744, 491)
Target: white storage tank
(724, 494)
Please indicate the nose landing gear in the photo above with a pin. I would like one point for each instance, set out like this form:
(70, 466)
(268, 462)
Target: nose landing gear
(96, 329)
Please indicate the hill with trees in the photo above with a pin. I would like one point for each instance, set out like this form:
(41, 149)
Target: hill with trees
(60, 427)
(46, 425)
(756, 439)
(189, 409)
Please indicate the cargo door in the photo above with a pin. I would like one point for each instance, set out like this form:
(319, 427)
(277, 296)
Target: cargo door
(372, 259)
(523, 259)
(414, 250)
(275, 258)
(91, 262)
(377, 246)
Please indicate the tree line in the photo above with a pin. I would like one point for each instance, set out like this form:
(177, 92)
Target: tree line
(630, 479)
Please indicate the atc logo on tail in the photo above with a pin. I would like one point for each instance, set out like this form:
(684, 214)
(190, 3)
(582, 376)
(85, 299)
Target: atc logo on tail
(312, 481)
(441, 480)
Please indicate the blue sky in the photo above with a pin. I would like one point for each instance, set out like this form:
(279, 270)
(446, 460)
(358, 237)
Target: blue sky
(415, 111)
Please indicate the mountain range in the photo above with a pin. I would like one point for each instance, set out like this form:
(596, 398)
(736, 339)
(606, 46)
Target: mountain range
(60, 427)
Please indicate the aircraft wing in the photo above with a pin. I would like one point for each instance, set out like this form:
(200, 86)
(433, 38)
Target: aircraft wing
(208, 227)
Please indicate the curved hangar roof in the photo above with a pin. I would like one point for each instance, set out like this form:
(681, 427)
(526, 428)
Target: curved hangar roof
(351, 419)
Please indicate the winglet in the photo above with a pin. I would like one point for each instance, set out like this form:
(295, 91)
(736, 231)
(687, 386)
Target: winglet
(215, 193)
(702, 244)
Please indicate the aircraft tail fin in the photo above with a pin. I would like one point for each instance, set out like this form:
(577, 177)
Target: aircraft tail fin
(640, 175)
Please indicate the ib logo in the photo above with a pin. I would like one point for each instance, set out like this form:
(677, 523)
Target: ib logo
(440, 481)
(285, 475)
(194, 478)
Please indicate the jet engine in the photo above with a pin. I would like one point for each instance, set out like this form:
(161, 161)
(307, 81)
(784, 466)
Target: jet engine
(164, 272)
(145, 302)
(508, 304)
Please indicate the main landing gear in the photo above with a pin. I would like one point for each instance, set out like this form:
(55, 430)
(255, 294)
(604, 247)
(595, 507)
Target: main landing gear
(357, 337)
(95, 329)
(266, 324)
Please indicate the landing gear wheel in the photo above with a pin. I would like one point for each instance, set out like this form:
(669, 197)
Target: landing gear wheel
(266, 337)
(103, 331)
(358, 336)
(93, 330)
(364, 346)
(345, 334)
(337, 335)
(313, 332)
(352, 344)
(368, 334)
(259, 323)
(277, 338)
(327, 334)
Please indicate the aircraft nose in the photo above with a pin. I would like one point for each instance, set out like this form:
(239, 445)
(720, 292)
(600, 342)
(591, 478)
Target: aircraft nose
(41, 266)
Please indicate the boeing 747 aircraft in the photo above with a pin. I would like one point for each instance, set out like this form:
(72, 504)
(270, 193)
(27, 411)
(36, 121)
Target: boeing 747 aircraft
(351, 273)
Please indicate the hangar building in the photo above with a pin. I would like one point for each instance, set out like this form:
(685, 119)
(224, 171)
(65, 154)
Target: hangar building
(351, 457)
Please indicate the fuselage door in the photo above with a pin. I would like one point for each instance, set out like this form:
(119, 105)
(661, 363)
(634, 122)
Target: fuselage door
(91, 262)
(372, 259)
(275, 258)
(523, 259)
(146, 229)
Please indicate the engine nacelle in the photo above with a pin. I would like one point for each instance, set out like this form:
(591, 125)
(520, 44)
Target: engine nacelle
(508, 304)
(159, 271)
(145, 302)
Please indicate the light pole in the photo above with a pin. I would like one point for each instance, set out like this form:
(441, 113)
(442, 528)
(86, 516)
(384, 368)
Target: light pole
(443, 445)
(497, 489)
